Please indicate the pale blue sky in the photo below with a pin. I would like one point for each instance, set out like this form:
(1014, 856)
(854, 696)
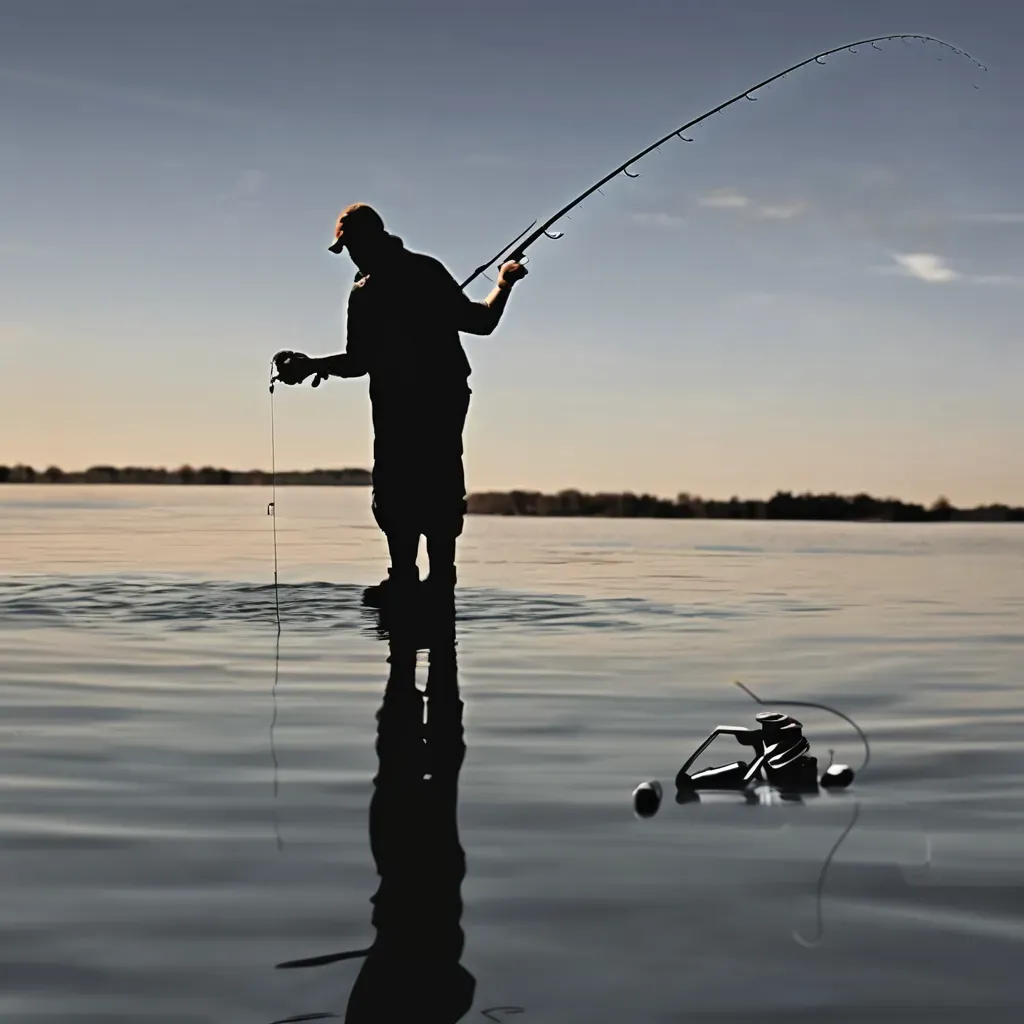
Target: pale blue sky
(823, 291)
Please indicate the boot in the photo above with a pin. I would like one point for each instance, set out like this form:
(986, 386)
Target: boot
(396, 587)
(440, 584)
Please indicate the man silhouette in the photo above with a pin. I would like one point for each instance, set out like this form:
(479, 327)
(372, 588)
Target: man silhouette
(405, 312)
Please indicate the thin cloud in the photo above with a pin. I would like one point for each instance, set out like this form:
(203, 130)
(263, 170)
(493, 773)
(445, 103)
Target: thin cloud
(731, 199)
(659, 219)
(992, 218)
(119, 94)
(925, 266)
(781, 211)
(724, 199)
(1011, 280)
(249, 184)
(934, 269)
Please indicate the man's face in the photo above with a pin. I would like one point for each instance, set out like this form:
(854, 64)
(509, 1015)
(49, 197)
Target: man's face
(353, 231)
(339, 228)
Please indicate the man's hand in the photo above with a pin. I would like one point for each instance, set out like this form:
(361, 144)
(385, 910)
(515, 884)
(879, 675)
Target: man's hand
(510, 273)
(294, 367)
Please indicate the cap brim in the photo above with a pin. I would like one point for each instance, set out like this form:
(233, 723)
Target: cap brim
(337, 247)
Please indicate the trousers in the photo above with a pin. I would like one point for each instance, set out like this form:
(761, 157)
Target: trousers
(419, 481)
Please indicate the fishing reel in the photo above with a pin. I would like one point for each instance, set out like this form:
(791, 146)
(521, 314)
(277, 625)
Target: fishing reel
(780, 759)
(282, 361)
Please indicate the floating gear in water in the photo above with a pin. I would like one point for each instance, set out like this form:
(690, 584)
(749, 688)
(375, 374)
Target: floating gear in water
(780, 756)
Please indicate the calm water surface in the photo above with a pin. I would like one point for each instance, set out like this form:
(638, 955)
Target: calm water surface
(186, 800)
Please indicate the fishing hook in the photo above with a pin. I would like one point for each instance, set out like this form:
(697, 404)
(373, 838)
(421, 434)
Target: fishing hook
(682, 137)
(628, 173)
(753, 99)
(518, 248)
(554, 235)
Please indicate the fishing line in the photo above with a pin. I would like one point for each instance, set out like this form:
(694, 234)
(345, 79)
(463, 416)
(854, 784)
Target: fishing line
(272, 507)
(820, 707)
(820, 889)
(272, 512)
(273, 745)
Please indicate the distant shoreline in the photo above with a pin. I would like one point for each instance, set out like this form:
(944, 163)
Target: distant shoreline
(784, 506)
(187, 476)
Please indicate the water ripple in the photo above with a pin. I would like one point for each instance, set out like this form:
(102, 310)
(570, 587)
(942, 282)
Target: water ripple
(92, 601)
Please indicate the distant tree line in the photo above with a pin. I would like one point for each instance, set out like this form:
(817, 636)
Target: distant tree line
(784, 505)
(21, 474)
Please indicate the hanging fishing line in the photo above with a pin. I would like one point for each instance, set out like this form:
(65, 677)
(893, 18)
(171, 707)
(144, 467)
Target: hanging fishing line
(820, 707)
(820, 888)
(273, 744)
(272, 507)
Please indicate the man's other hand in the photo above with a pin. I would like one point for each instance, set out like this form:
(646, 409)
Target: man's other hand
(293, 367)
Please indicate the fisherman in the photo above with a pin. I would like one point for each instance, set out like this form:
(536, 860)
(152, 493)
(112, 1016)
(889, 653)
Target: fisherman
(405, 312)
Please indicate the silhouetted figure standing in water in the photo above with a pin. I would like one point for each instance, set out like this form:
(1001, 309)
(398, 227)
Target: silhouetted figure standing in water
(412, 970)
(405, 312)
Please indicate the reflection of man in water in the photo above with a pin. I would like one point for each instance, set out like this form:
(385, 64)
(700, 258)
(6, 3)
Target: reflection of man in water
(405, 312)
(412, 971)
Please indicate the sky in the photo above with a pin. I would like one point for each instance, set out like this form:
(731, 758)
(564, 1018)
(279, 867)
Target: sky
(823, 291)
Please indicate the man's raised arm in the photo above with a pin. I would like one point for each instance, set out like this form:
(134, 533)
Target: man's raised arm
(482, 317)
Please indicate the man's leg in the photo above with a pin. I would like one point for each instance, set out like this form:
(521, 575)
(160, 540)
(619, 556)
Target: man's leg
(449, 506)
(404, 549)
(441, 553)
(391, 510)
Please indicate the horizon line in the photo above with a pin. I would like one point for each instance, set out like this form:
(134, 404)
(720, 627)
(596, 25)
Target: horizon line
(24, 473)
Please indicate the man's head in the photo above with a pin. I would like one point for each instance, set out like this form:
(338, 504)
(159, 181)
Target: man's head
(359, 229)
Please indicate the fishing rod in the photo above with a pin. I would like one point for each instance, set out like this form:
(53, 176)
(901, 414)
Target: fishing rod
(516, 249)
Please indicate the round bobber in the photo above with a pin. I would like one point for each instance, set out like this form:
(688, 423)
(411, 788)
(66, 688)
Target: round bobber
(647, 799)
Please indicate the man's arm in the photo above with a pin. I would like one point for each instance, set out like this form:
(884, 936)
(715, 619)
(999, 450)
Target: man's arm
(295, 367)
(353, 361)
(341, 365)
(483, 317)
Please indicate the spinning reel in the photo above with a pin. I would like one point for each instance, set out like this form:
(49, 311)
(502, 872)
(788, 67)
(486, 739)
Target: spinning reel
(780, 757)
(281, 362)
